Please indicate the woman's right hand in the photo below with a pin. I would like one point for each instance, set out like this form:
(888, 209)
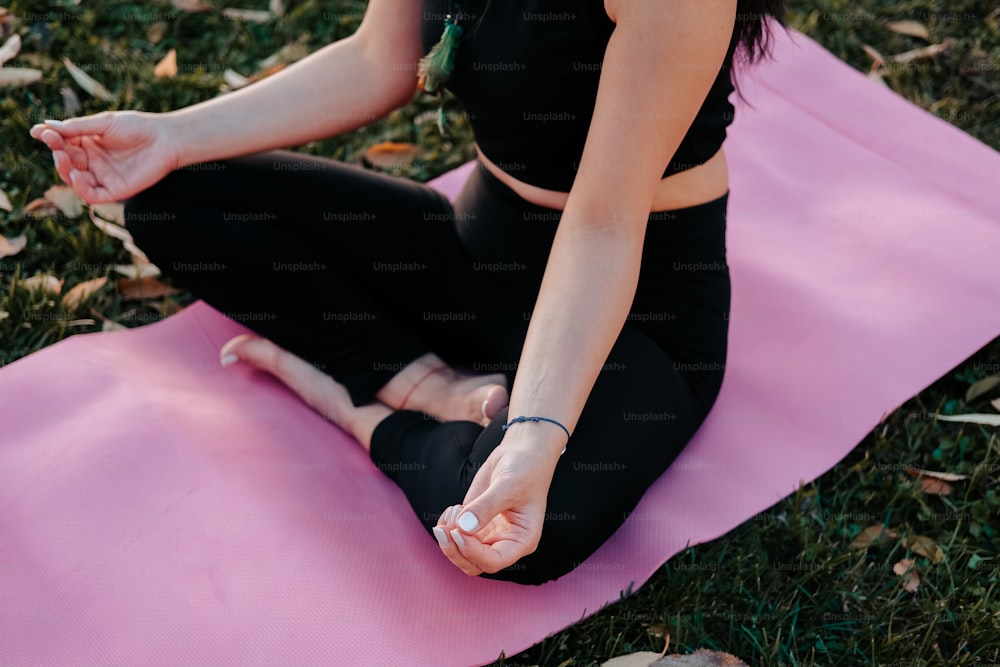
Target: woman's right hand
(111, 155)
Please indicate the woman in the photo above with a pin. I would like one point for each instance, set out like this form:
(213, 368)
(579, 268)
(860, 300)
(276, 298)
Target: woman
(580, 275)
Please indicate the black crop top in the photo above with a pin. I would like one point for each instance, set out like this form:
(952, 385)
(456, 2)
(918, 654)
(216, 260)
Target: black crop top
(526, 74)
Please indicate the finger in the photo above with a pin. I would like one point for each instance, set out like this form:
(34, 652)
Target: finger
(316, 388)
(51, 138)
(489, 558)
(74, 127)
(449, 539)
(89, 190)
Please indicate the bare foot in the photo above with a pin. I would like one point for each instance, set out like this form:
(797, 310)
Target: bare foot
(444, 393)
(320, 391)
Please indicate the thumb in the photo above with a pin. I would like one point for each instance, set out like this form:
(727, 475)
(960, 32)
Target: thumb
(481, 509)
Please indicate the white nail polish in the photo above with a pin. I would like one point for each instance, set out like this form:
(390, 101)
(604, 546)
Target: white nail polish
(440, 536)
(55, 123)
(459, 540)
(446, 516)
(468, 522)
(485, 401)
(228, 359)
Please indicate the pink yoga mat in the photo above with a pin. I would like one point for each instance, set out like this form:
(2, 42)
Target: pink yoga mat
(156, 509)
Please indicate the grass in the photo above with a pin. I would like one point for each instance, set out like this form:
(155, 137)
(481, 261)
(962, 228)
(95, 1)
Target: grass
(783, 588)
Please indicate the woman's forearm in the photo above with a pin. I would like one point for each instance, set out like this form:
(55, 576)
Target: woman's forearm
(582, 305)
(333, 90)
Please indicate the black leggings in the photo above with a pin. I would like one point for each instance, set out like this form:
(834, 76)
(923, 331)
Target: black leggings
(361, 272)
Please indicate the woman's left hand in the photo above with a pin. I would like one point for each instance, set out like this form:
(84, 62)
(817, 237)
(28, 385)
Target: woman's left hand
(503, 511)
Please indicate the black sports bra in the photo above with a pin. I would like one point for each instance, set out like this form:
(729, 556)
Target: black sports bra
(527, 72)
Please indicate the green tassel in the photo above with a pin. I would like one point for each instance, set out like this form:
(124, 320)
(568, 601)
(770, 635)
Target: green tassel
(436, 67)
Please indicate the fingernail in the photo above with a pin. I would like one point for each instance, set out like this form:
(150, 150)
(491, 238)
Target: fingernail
(448, 513)
(440, 536)
(229, 359)
(55, 123)
(468, 522)
(459, 540)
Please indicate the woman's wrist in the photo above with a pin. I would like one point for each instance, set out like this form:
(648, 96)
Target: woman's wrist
(536, 437)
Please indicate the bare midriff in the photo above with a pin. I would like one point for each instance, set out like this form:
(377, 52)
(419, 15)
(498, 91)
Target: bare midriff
(690, 187)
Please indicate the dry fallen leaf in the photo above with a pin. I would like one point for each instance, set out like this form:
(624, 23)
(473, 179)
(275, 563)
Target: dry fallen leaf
(157, 31)
(138, 270)
(917, 54)
(12, 246)
(87, 82)
(45, 282)
(871, 535)
(72, 299)
(972, 418)
(981, 387)
(924, 546)
(41, 207)
(71, 103)
(905, 568)
(5, 201)
(10, 48)
(190, 5)
(276, 7)
(168, 66)
(935, 483)
(111, 211)
(995, 403)
(640, 659)
(877, 58)
(250, 15)
(144, 288)
(111, 325)
(910, 28)
(114, 228)
(390, 154)
(19, 76)
(234, 79)
(700, 658)
(65, 199)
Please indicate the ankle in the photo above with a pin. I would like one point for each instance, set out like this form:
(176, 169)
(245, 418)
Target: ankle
(399, 389)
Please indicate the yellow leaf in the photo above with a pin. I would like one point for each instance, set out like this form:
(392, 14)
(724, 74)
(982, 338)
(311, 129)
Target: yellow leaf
(87, 82)
(72, 299)
(44, 281)
(390, 154)
(19, 76)
(910, 28)
(10, 48)
(112, 211)
(871, 535)
(168, 66)
(9, 247)
(925, 547)
(65, 199)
